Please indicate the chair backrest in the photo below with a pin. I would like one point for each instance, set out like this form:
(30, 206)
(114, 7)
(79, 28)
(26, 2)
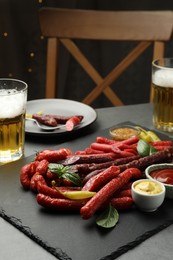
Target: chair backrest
(65, 25)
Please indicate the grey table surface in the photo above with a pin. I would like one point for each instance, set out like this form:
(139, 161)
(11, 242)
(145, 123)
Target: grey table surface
(17, 246)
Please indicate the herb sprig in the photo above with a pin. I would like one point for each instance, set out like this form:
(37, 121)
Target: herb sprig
(65, 172)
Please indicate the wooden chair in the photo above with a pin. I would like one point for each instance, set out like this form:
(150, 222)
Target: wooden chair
(65, 25)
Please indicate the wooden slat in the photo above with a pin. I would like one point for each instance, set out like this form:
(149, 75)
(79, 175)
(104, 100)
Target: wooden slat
(106, 25)
(51, 69)
(90, 70)
(116, 72)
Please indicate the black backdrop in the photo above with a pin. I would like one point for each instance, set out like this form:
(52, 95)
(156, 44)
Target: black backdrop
(23, 49)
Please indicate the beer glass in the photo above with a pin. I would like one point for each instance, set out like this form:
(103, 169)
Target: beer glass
(13, 97)
(162, 81)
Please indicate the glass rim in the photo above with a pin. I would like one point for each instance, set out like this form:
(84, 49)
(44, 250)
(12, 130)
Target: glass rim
(160, 66)
(16, 80)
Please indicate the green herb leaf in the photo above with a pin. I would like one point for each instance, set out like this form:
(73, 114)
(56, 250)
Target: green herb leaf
(73, 177)
(108, 218)
(56, 168)
(65, 172)
(145, 149)
(152, 150)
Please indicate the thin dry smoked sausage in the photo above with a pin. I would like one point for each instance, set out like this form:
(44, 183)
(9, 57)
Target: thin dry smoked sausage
(53, 155)
(122, 202)
(26, 173)
(72, 122)
(97, 181)
(59, 204)
(106, 192)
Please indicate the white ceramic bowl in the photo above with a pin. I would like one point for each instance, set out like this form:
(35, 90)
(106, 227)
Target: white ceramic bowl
(153, 167)
(145, 201)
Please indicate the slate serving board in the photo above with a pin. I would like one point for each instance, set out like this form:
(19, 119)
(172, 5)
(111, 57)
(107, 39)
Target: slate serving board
(68, 236)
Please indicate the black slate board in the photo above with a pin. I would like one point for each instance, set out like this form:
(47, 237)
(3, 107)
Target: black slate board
(67, 236)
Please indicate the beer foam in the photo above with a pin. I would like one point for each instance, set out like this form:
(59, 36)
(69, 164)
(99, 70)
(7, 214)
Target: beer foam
(163, 78)
(12, 103)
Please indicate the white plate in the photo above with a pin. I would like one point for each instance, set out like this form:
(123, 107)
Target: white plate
(63, 107)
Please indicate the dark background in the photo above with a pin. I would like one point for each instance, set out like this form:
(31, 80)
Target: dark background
(23, 51)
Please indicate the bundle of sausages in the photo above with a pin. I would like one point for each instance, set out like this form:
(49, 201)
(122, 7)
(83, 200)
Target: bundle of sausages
(107, 167)
(54, 120)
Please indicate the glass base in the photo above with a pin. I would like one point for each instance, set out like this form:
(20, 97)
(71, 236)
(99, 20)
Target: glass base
(6, 157)
(164, 129)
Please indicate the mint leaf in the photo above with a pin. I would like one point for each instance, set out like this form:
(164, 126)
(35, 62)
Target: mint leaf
(108, 218)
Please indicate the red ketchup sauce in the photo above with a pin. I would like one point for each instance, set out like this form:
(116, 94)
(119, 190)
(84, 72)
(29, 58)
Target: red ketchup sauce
(163, 175)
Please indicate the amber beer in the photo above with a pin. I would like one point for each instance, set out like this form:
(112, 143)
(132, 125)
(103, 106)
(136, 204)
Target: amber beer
(162, 79)
(13, 95)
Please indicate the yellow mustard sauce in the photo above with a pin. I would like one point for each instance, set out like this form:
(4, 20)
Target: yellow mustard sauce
(148, 187)
(124, 133)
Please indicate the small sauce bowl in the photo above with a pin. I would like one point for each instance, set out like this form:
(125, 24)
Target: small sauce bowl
(162, 177)
(120, 133)
(148, 195)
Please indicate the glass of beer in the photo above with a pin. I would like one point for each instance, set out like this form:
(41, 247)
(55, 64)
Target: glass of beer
(13, 97)
(162, 81)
